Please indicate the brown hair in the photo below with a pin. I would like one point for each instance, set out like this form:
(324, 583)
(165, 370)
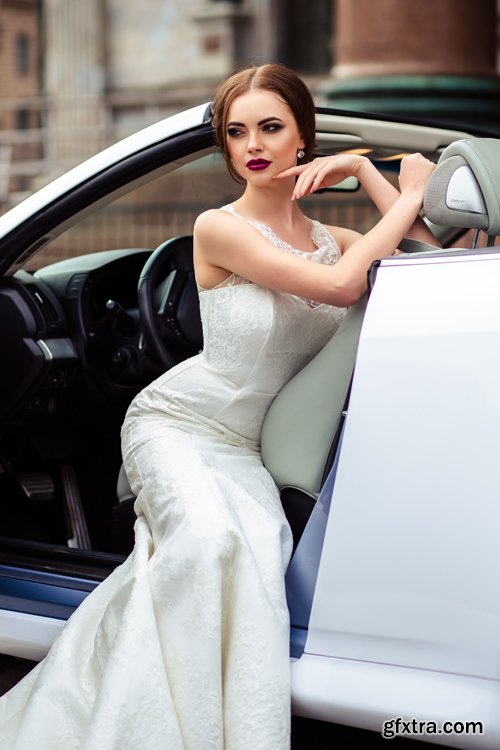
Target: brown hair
(270, 77)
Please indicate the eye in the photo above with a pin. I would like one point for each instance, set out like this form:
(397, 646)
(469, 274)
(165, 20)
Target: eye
(234, 132)
(272, 127)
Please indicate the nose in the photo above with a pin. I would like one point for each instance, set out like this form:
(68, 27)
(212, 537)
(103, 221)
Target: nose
(253, 141)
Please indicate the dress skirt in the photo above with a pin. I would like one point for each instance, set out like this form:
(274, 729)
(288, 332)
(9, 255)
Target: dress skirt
(186, 645)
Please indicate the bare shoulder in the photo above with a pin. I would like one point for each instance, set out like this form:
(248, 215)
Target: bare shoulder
(217, 233)
(219, 238)
(212, 221)
(343, 236)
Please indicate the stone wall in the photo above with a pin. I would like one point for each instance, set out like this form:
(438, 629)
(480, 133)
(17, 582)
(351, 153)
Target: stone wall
(19, 104)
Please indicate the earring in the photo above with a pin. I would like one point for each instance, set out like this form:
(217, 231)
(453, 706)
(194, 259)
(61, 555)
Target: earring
(301, 153)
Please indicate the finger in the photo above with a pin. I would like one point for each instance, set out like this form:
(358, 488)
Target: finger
(301, 186)
(304, 182)
(290, 172)
(319, 180)
(309, 183)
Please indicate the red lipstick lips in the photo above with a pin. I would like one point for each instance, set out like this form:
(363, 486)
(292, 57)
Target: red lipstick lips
(257, 164)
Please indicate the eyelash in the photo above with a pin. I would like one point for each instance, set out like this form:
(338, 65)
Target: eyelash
(271, 127)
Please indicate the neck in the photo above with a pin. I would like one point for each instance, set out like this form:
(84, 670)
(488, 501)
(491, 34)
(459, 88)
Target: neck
(265, 204)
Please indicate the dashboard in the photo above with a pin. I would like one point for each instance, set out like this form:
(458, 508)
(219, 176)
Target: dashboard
(76, 315)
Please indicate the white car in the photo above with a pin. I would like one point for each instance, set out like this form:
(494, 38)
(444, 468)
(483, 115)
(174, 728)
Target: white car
(385, 447)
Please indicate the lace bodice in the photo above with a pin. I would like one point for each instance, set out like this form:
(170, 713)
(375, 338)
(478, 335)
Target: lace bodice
(254, 340)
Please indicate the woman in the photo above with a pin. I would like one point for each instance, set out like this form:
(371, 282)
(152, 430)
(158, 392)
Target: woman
(185, 646)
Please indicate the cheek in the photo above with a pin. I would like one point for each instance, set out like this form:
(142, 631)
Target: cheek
(236, 157)
(232, 149)
(289, 142)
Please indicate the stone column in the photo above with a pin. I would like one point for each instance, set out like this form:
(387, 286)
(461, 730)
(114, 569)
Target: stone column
(74, 80)
(406, 37)
(419, 59)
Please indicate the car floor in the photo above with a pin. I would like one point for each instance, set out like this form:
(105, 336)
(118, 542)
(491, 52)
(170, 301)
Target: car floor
(12, 670)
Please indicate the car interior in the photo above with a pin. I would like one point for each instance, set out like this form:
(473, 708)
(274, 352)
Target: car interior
(98, 313)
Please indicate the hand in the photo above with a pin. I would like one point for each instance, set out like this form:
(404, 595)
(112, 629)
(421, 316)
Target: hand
(414, 173)
(322, 172)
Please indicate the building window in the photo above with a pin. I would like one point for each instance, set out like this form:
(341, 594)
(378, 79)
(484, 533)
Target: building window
(22, 119)
(22, 53)
(211, 44)
(22, 183)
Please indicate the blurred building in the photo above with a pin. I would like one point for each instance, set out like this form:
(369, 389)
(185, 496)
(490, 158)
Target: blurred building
(100, 69)
(431, 61)
(114, 66)
(19, 89)
(77, 75)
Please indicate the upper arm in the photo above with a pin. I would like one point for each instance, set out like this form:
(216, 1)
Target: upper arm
(344, 237)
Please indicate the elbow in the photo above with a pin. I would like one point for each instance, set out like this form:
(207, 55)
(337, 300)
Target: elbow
(345, 295)
(351, 299)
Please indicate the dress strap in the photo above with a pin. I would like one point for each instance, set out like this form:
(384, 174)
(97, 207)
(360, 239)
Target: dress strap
(231, 210)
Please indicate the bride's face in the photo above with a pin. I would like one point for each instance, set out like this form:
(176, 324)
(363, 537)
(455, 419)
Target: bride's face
(262, 135)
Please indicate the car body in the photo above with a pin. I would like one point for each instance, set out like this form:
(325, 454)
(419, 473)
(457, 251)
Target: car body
(388, 477)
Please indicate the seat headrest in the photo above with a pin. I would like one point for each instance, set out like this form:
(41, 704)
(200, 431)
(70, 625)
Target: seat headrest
(464, 190)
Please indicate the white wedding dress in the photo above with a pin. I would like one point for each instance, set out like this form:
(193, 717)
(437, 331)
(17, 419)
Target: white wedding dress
(186, 645)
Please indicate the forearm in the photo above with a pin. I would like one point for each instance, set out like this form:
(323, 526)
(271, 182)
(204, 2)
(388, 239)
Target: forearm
(381, 241)
(384, 195)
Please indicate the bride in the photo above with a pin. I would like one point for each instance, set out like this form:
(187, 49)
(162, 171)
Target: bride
(185, 645)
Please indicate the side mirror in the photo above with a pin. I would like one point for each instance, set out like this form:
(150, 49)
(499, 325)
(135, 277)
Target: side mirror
(349, 185)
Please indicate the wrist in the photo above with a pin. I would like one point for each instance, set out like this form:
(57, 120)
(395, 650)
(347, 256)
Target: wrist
(362, 167)
(412, 196)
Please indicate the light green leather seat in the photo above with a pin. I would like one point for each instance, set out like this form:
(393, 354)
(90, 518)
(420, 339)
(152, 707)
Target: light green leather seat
(303, 418)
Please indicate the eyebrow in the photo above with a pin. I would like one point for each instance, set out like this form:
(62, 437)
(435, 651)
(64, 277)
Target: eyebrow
(261, 122)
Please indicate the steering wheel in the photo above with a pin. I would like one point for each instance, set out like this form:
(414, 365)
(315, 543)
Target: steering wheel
(168, 301)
